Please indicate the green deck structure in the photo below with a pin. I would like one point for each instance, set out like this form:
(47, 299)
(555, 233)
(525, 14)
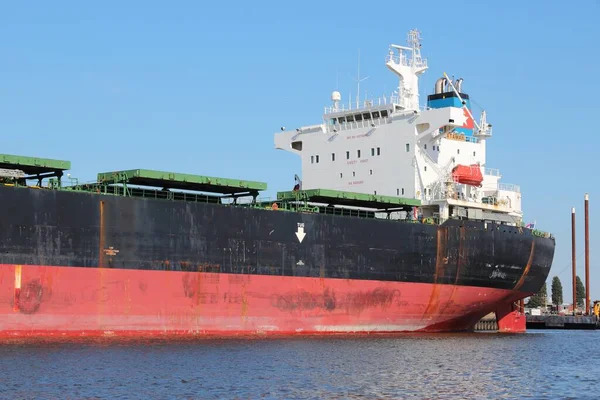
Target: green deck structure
(32, 168)
(336, 197)
(33, 165)
(171, 180)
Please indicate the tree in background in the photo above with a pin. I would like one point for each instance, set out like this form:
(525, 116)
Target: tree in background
(579, 292)
(539, 299)
(557, 291)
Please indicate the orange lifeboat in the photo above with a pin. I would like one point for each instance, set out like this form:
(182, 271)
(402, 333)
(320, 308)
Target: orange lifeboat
(467, 174)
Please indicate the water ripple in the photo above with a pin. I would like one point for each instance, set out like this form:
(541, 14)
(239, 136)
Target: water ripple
(476, 366)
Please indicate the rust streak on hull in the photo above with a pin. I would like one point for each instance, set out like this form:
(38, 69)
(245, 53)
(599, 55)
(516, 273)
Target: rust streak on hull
(101, 237)
(441, 260)
(527, 267)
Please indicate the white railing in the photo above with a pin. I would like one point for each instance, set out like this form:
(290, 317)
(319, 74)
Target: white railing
(458, 193)
(364, 104)
(492, 172)
(496, 202)
(403, 60)
(367, 104)
(509, 187)
(441, 194)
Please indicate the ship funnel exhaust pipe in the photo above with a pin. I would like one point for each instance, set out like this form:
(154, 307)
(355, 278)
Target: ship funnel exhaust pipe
(440, 85)
(458, 85)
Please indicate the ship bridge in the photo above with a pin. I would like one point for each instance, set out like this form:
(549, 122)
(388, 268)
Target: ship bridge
(392, 146)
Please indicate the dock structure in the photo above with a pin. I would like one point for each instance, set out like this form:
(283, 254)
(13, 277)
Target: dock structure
(545, 321)
(551, 321)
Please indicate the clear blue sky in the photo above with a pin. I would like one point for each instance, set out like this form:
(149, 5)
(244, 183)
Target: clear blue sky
(201, 87)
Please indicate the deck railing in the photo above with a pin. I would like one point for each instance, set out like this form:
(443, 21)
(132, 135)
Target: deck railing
(509, 187)
(492, 172)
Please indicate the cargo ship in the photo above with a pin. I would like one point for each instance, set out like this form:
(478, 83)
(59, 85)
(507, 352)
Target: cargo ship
(395, 224)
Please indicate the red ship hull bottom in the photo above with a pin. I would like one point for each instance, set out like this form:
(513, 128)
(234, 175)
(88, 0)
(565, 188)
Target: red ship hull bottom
(67, 301)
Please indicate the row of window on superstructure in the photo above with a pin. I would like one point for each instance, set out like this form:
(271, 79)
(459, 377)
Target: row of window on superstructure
(360, 117)
(436, 148)
(374, 151)
(354, 174)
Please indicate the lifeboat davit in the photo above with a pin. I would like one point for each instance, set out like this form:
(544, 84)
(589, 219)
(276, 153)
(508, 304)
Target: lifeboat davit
(467, 174)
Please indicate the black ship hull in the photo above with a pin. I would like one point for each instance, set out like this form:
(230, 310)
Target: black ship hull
(81, 231)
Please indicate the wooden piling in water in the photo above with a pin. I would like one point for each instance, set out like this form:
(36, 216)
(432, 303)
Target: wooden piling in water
(587, 255)
(573, 256)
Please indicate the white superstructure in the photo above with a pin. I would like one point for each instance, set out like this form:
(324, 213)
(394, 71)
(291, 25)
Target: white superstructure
(394, 146)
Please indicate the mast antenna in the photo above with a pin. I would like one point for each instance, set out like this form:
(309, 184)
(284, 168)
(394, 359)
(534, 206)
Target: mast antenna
(358, 81)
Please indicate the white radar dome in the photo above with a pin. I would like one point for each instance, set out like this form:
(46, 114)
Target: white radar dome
(336, 96)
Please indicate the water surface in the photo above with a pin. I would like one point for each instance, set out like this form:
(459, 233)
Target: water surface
(538, 364)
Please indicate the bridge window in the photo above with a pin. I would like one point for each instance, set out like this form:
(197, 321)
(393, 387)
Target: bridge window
(384, 113)
(349, 118)
(358, 117)
(342, 120)
(367, 116)
(375, 114)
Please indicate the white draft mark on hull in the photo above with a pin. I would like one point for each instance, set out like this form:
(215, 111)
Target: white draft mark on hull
(300, 232)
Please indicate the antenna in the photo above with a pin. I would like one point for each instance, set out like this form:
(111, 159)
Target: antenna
(358, 81)
(349, 99)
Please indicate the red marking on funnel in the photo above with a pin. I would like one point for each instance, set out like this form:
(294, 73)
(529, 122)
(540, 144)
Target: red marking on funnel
(469, 123)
